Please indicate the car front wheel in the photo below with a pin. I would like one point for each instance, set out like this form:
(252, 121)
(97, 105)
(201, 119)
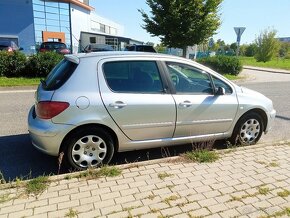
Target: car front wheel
(248, 130)
(89, 148)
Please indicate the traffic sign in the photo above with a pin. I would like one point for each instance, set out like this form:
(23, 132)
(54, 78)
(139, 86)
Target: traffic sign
(239, 31)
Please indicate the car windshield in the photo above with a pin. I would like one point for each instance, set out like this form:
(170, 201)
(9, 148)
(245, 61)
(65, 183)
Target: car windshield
(53, 45)
(101, 48)
(4, 43)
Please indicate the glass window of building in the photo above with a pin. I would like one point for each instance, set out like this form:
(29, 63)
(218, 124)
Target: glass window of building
(51, 16)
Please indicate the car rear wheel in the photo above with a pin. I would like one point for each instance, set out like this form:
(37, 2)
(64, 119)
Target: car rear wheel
(248, 130)
(89, 148)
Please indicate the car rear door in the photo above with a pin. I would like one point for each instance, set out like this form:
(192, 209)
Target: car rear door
(133, 93)
(200, 112)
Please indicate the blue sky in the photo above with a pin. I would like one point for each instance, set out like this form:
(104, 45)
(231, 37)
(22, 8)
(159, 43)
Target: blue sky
(255, 15)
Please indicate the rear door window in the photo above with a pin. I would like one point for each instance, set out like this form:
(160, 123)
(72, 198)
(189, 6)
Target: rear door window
(59, 75)
(133, 76)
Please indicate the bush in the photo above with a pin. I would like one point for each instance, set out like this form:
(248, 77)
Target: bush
(41, 64)
(267, 46)
(223, 64)
(12, 64)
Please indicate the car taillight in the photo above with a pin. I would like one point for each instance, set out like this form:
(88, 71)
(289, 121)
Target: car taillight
(42, 50)
(49, 109)
(64, 51)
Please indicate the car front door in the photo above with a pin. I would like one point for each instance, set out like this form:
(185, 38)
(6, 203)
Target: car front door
(200, 111)
(133, 94)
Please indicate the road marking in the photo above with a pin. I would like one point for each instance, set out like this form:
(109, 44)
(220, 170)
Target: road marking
(16, 91)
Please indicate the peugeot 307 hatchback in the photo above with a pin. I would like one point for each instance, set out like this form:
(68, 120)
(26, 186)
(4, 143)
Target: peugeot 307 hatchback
(93, 105)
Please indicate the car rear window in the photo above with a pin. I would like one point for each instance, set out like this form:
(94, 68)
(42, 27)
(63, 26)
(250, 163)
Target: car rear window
(59, 75)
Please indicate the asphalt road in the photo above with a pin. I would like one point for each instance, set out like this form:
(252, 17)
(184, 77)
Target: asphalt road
(19, 159)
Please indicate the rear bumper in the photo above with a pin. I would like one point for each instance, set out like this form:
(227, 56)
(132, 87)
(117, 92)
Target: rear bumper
(45, 135)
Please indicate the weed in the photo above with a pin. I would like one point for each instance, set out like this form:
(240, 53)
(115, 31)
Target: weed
(171, 198)
(162, 176)
(110, 171)
(236, 198)
(4, 198)
(273, 164)
(2, 179)
(285, 193)
(60, 158)
(284, 212)
(68, 177)
(170, 186)
(151, 197)
(261, 162)
(201, 156)
(154, 210)
(263, 190)
(71, 213)
(37, 185)
(97, 173)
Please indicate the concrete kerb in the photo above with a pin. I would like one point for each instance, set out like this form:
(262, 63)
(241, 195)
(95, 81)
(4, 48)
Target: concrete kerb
(269, 70)
(151, 162)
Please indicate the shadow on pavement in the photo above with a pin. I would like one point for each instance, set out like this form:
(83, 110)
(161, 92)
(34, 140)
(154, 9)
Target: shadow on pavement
(19, 159)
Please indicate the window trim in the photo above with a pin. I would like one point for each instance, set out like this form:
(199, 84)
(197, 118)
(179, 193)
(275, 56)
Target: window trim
(165, 63)
(164, 83)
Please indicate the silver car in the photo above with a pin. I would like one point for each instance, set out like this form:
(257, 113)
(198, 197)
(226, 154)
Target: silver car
(93, 105)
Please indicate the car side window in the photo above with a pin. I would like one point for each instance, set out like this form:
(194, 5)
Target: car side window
(219, 83)
(188, 79)
(133, 76)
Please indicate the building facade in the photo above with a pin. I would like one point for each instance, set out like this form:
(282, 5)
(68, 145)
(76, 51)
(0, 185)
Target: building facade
(30, 22)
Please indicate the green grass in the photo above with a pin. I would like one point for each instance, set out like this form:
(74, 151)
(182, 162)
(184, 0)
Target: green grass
(232, 77)
(104, 171)
(72, 213)
(38, 185)
(275, 63)
(8, 82)
(202, 156)
(162, 176)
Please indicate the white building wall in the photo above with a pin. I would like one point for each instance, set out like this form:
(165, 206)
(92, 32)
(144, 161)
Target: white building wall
(83, 20)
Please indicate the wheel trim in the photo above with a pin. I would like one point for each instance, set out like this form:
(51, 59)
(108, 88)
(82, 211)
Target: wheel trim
(250, 131)
(89, 151)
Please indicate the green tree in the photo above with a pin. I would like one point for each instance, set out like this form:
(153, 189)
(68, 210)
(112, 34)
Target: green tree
(234, 46)
(250, 50)
(182, 23)
(267, 45)
(284, 50)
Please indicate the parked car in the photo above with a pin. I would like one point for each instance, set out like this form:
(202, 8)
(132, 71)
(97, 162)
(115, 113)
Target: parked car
(93, 105)
(8, 46)
(98, 48)
(141, 48)
(57, 47)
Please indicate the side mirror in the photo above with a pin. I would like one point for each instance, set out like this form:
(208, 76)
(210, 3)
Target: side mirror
(220, 91)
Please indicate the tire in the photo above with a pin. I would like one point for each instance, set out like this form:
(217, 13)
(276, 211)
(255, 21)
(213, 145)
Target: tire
(248, 130)
(89, 147)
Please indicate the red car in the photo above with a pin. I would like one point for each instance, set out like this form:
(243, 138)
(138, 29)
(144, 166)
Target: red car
(57, 47)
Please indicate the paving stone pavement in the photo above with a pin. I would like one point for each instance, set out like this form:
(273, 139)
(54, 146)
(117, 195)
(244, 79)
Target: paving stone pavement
(245, 182)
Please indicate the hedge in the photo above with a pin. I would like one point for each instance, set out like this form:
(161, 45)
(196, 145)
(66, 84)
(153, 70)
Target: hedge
(16, 64)
(223, 64)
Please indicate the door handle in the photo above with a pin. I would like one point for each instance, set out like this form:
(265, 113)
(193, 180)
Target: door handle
(118, 104)
(185, 104)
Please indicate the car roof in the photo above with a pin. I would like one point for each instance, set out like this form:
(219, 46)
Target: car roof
(115, 54)
(118, 54)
